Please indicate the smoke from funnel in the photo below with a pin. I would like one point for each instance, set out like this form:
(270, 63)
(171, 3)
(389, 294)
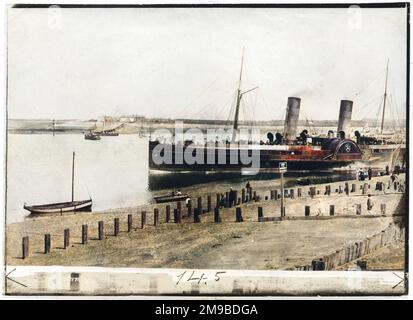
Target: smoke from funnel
(346, 108)
(291, 118)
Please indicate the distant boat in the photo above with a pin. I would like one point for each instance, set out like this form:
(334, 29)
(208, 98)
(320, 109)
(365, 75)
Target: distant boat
(92, 136)
(171, 197)
(108, 133)
(61, 207)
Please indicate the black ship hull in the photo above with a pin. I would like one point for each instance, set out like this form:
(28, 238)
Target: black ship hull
(341, 153)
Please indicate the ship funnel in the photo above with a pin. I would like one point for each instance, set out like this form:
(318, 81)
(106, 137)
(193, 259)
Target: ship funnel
(291, 118)
(346, 108)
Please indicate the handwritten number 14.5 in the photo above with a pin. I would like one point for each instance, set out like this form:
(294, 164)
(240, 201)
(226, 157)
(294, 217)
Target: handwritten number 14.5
(198, 279)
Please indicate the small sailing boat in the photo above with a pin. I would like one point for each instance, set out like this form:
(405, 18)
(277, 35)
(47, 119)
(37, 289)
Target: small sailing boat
(61, 207)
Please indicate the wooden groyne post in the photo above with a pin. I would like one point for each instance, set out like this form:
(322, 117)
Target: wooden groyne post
(260, 214)
(218, 199)
(175, 215)
(168, 213)
(66, 238)
(143, 219)
(331, 209)
(358, 209)
(199, 204)
(25, 247)
(307, 211)
(209, 203)
(217, 216)
(84, 233)
(116, 227)
(130, 223)
(238, 215)
(101, 234)
(47, 243)
(179, 216)
(365, 188)
(197, 216)
(189, 208)
(155, 217)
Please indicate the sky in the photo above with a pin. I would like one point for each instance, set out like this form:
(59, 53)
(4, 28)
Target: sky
(185, 62)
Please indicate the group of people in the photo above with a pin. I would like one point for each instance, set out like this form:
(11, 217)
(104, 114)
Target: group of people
(363, 174)
(393, 181)
(232, 197)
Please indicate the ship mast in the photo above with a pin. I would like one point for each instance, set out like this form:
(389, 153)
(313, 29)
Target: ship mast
(73, 177)
(235, 127)
(385, 96)
(239, 96)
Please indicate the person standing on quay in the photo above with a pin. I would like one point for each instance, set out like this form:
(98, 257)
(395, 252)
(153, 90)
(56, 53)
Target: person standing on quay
(369, 173)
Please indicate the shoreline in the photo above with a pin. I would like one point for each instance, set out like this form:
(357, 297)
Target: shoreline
(218, 186)
(208, 244)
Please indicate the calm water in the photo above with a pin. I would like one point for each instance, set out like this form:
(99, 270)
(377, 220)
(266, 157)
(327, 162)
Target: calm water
(113, 170)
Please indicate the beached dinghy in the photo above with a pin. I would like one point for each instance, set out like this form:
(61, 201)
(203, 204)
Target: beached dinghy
(171, 197)
(62, 207)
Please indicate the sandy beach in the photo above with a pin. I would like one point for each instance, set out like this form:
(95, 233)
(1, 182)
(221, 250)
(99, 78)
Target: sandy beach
(246, 245)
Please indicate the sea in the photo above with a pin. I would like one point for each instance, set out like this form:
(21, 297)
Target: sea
(112, 171)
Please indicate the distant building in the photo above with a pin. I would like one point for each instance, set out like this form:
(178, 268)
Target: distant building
(131, 119)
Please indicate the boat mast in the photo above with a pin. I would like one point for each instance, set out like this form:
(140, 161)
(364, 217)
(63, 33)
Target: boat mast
(385, 96)
(73, 177)
(235, 128)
